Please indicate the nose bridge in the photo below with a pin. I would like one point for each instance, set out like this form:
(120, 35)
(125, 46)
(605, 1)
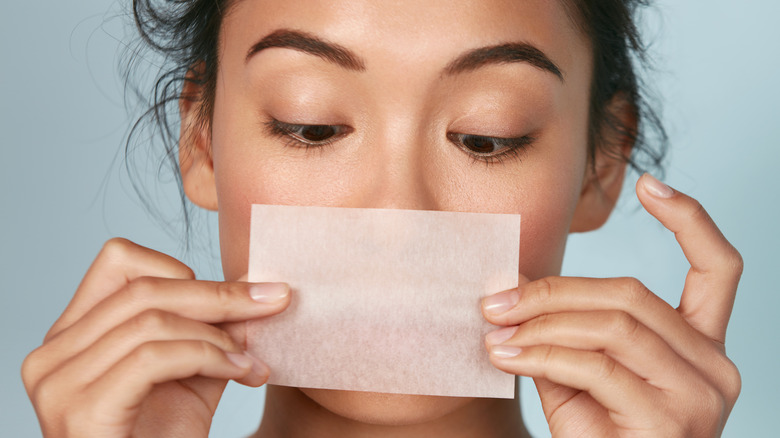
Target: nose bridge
(400, 176)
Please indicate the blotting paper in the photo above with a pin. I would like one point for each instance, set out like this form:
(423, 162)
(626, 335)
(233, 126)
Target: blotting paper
(383, 300)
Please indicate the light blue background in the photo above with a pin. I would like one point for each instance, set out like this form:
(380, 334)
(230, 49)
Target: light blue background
(62, 193)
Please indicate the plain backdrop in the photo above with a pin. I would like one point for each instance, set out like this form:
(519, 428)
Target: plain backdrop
(63, 192)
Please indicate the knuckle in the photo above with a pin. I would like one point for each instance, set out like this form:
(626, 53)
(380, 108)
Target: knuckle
(734, 261)
(732, 382)
(147, 353)
(205, 350)
(543, 290)
(541, 325)
(227, 341)
(29, 369)
(117, 248)
(705, 406)
(605, 367)
(711, 402)
(698, 213)
(622, 324)
(635, 292)
(140, 289)
(226, 293)
(45, 393)
(150, 321)
(547, 355)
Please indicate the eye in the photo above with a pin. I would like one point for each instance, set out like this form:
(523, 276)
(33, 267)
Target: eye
(308, 135)
(489, 149)
(481, 145)
(315, 133)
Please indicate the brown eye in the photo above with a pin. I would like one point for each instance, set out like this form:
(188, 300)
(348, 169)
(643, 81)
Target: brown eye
(480, 144)
(308, 135)
(490, 149)
(317, 133)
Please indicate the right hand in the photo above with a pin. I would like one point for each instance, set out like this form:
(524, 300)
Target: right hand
(137, 351)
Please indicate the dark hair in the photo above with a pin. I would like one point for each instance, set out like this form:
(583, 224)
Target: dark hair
(185, 35)
(610, 25)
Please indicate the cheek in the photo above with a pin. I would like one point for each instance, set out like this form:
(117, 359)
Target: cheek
(245, 177)
(546, 200)
(553, 198)
(545, 226)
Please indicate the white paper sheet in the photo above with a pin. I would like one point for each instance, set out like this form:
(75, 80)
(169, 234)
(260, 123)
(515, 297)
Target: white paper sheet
(383, 300)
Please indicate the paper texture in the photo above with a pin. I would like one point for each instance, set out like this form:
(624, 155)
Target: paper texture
(383, 300)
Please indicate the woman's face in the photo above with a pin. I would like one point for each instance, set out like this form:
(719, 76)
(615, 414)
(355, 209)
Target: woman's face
(411, 91)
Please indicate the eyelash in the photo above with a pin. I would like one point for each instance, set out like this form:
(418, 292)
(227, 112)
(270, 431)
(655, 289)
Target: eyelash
(513, 147)
(287, 132)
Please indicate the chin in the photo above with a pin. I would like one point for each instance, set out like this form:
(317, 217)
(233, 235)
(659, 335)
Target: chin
(385, 409)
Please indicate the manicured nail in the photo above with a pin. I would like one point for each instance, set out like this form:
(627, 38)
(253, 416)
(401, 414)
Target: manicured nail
(501, 335)
(501, 302)
(269, 292)
(240, 360)
(657, 188)
(505, 351)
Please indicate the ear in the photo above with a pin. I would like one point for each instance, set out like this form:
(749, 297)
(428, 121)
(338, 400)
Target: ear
(195, 163)
(604, 176)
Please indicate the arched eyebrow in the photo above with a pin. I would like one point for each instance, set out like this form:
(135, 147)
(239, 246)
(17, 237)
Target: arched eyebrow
(345, 58)
(502, 54)
(307, 43)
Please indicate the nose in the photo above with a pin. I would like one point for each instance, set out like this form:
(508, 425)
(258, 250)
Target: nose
(400, 174)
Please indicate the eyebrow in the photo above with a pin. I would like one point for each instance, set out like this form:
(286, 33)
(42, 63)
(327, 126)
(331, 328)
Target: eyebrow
(503, 54)
(472, 60)
(307, 43)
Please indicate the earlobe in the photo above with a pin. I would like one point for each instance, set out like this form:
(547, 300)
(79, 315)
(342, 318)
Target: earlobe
(604, 178)
(195, 162)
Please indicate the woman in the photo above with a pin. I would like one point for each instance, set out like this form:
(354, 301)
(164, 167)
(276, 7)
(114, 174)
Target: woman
(486, 106)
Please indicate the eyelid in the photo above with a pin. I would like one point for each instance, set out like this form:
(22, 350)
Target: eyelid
(514, 146)
(510, 147)
(287, 130)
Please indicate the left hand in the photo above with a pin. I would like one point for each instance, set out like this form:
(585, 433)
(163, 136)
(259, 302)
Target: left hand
(610, 358)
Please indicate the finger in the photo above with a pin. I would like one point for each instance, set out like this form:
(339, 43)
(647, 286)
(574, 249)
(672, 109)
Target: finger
(620, 391)
(569, 294)
(613, 332)
(151, 325)
(118, 263)
(716, 267)
(205, 301)
(116, 396)
(556, 401)
(554, 295)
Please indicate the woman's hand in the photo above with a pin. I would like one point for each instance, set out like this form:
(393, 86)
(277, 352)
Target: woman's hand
(610, 358)
(137, 351)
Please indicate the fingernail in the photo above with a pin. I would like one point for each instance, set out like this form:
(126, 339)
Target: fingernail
(505, 351)
(501, 335)
(657, 188)
(501, 302)
(258, 366)
(240, 360)
(269, 292)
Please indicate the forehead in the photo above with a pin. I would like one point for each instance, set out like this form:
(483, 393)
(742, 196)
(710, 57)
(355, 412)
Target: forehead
(412, 33)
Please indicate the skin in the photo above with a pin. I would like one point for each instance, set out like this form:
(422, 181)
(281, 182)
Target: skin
(144, 348)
